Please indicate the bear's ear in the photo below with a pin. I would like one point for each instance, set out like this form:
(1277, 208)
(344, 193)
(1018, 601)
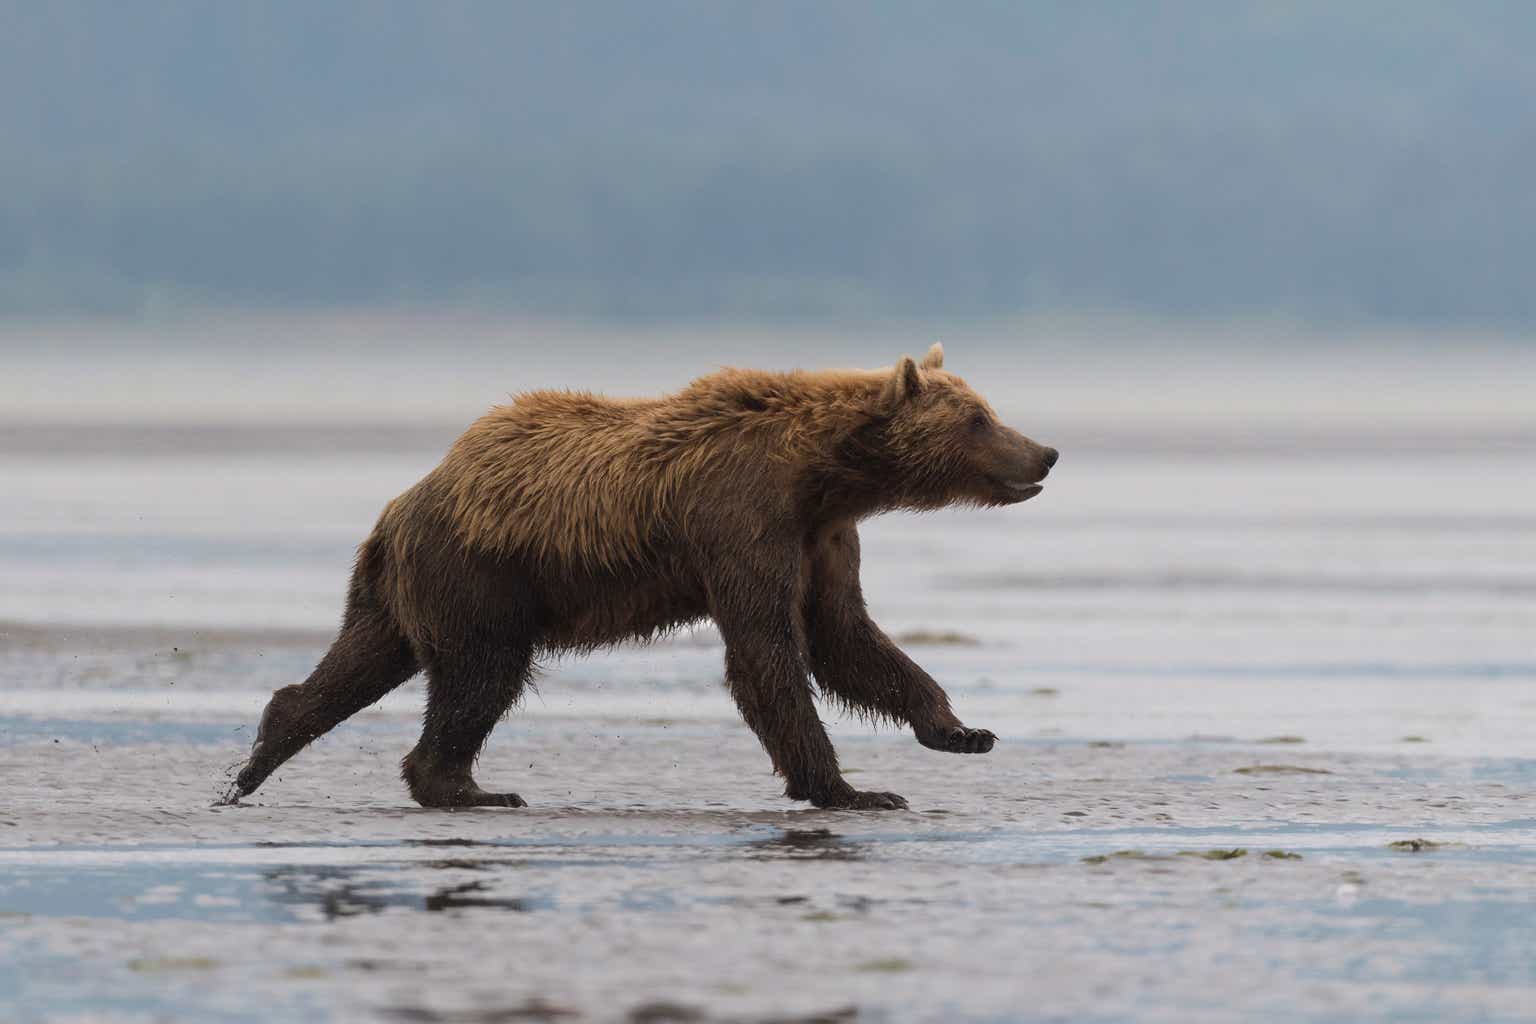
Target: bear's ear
(934, 360)
(904, 383)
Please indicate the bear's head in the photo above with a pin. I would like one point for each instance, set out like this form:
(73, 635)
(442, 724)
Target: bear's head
(941, 443)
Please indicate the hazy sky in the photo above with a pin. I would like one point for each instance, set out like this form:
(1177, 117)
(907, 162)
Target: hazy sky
(1329, 162)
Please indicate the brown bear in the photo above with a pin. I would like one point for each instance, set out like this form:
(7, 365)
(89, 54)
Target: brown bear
(567, 521)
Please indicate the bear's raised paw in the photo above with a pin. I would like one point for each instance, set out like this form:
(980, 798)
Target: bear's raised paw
(958, 740)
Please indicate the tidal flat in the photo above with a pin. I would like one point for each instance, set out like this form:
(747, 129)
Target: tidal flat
(1265, 753)
(659, 876)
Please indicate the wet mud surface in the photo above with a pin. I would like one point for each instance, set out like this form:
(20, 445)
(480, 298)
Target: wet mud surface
(658, 876)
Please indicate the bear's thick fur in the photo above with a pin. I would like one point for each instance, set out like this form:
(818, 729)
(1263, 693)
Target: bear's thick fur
(568, 521)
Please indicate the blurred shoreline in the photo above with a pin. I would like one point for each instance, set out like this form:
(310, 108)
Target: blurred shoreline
(45, 437)
(417, 381)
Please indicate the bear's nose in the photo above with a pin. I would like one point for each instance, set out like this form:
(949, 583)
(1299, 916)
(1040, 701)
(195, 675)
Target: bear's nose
(1050, 455)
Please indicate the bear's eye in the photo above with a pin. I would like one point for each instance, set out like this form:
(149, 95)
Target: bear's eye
(980, 422)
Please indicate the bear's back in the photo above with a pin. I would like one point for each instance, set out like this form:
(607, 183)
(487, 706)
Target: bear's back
(579, 478)
(562, 476)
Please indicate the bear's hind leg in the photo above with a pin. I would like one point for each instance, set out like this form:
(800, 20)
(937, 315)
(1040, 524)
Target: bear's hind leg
(469, 689)
(369, 657)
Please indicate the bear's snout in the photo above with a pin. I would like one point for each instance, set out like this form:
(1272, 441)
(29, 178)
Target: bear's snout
(1014, 465)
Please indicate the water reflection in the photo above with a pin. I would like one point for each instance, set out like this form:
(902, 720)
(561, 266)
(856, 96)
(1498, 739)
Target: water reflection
(459, 896)
(338, 892)
(807, 844)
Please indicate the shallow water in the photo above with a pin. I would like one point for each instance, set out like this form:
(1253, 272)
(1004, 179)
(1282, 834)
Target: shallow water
(1191, 644)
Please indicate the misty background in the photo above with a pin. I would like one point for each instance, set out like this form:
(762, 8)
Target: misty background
(1261, 271)
(1354, 164)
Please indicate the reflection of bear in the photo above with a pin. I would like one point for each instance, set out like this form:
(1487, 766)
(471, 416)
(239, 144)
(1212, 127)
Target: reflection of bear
(566, 521)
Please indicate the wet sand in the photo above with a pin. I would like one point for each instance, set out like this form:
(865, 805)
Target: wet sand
(1087, 869)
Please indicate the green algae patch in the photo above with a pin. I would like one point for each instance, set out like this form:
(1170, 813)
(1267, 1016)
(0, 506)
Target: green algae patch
(1105, 858)
(157, 965)
(1045, 691)
(1420, 845)
(1414, 739)
(1280, 769)
(659, 1012)
(310, 972)
(937, 638)
(1142, 855)
(886, 965)
(1281, 855)
(1283, 740)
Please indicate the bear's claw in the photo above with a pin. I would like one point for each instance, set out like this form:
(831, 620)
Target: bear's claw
(432, 786)
(959, 740)
(857, 800)
(484, 799)
(449, 797)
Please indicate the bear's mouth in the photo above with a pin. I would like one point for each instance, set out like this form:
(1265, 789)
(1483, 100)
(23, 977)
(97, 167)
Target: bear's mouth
(1019, 490)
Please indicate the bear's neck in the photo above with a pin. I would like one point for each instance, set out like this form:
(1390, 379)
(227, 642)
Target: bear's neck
(820, 423)
(854, 477)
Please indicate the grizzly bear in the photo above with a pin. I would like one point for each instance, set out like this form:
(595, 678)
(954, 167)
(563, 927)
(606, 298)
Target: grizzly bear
(567, 521)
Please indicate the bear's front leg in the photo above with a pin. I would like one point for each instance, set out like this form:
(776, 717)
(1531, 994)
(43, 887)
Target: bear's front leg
(856, 662)
(767, 675)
